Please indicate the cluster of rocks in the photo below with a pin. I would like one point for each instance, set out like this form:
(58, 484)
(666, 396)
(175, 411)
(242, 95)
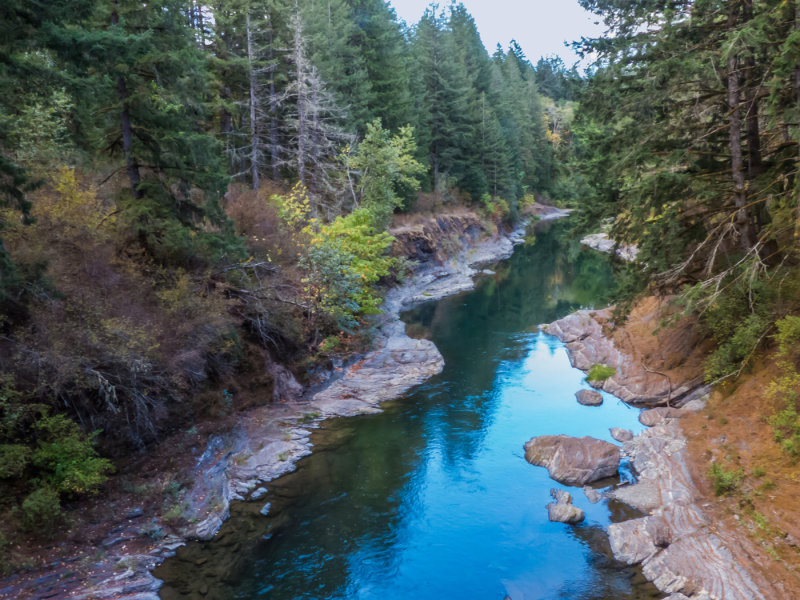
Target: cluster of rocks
(679, 548)
(587, 346)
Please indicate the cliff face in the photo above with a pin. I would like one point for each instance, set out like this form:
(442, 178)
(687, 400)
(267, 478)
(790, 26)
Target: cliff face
(436, 238)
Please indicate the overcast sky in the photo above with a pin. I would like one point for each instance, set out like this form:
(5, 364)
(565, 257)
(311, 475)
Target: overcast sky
(539, 26)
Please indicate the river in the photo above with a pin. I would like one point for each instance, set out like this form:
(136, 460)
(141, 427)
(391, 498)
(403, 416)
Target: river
(432, 499)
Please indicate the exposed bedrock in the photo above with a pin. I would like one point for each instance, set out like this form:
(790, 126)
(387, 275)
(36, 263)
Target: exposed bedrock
(588, 345)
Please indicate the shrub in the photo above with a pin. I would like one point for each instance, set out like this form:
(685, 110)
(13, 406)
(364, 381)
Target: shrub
(600, 373)
(725, 481)
(13, 460)
(41, 509)
(67, 458)
(786, 422)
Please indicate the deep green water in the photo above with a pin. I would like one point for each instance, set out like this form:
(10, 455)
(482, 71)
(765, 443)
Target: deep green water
(432, 499)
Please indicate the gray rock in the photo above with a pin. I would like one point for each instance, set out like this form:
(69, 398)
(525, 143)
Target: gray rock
(265, 509)
(655, 416)
(587, 345)
(644, 496)
(589, 397)
(592, 494)
(134, 513)
(694, 406)
(621, 435)
(258, 493)
(602, 243)
(562, 510)
(571, 460)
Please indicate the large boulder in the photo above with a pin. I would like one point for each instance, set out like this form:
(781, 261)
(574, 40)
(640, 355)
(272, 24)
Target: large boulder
(562, 510)
(571, 460)
(589, 397)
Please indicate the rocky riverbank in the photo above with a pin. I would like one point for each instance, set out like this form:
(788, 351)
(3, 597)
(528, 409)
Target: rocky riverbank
(682, 550)
(267, 441)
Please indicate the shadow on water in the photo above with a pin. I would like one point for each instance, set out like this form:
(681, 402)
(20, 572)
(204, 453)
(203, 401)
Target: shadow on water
(433, 498)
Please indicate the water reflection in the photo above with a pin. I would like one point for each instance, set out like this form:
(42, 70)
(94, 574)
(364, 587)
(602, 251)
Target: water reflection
(432, 498)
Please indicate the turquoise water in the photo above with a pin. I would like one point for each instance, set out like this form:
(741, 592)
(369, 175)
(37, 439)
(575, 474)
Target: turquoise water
(432, 499)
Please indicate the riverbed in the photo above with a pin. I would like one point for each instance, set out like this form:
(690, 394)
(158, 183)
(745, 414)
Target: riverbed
(432, 498)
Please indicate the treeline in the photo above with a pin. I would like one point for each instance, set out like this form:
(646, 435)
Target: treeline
(196, 193)
(192, 93)
(687, 138)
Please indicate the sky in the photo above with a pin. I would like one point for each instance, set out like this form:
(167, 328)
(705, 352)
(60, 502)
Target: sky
(539, 26)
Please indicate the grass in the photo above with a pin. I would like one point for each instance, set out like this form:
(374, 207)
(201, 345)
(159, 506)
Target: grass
(725, 481)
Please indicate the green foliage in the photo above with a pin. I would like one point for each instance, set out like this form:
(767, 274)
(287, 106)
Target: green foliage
(66, 459)
(40, 133)
(342, 260)
(496, 208)
(388, 170)
(43, 458)
(14, 459)
(725, 481)
(41, 510)
(737, 311)
(600, 373)
(786, 388)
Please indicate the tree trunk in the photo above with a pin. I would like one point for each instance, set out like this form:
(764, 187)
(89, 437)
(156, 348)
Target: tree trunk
(742, 219)
(273, 109)
(125, 124)
(299, 60)
(797, 97)
(254, 146)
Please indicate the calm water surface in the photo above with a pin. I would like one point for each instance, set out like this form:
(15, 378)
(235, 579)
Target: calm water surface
(433, 499)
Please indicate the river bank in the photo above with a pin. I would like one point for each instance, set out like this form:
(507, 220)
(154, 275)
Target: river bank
(266, 442)
(683, 544)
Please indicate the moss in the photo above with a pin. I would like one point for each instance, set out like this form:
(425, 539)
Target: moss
(600, 373)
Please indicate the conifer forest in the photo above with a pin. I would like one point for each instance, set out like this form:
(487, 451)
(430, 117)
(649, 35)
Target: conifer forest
(204, 205)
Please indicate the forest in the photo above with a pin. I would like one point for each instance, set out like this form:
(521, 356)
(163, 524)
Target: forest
(199, 195)
(196, 195)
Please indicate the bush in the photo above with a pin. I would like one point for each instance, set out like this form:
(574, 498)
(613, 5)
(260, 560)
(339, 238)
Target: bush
(67, 458)
(600, 373)
(13, 460)
(786, 422)
(725, 481)
(41, 510)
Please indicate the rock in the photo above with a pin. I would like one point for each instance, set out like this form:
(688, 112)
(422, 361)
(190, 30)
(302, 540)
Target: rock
(621, 435)
(694, 406)
(265, 509)
(654, 416)
(134, 513)
(592, 494)
(285, 387)
(384, 374)
(563, 511)
(258, 493)
(589, 397)
(602, 243)
(571, 460)
(587, 345)
(643, 496)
